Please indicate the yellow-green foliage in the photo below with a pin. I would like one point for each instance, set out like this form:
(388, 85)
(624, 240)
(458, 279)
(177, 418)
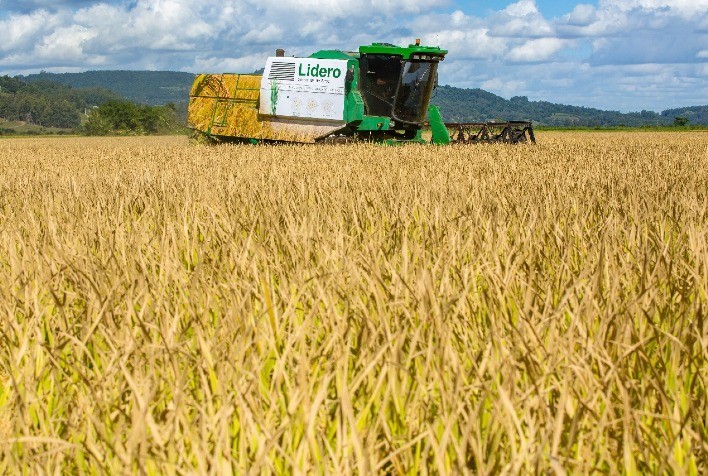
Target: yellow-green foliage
(169, 309)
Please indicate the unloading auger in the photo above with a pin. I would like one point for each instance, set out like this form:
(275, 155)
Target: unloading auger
(380, 93)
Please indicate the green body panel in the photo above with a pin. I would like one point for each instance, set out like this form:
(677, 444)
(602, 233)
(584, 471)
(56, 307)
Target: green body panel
(374, 123)
(354, 107)
(418, 139)
(334, 54)
(354, 103)
(437, 126)
(405, 52)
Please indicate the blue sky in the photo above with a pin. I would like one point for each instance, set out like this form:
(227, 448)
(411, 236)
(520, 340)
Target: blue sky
(625, 55)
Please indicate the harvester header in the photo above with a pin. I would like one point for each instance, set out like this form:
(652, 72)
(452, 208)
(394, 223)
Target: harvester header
(380, 93)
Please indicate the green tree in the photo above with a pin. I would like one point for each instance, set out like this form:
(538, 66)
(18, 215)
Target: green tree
(121, 115)
(130, 117)
(95, 125)
(149, 118)
(61, 114)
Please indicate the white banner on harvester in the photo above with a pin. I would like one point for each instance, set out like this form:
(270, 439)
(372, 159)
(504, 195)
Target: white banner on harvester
(303, 87)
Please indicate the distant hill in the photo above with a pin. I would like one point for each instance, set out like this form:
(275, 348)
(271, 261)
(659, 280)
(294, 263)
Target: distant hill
(477, 105)
(695, 114)
(146, 87)
(456, 104)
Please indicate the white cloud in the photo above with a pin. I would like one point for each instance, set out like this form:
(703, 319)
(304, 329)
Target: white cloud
(682, 7)
(65, 44)
(340, 9)
(521, 19)
(522, 8)
(264, 35)
(246, 64)
(582, 15)
(470, 44)
(153, 24)
(458, 18)
(540, 49)
(583, 57)
(522, 27)
(21, 32)
(505, 87)
(622, 17)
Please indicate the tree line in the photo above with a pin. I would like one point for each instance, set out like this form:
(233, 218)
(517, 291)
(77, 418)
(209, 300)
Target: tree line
(126, 116)
(93, 111)
(477, 105)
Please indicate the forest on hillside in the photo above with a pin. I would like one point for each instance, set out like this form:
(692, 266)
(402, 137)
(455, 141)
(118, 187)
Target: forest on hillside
(694, 114)
(155, 88)
(47, 103)
(473, 105)
(93, 110)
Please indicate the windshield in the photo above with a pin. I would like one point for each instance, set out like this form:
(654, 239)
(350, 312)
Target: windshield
(379, 77)
(417, 82)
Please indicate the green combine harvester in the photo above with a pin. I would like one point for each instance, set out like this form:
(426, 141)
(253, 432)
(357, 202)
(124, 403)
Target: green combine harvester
(379, 94)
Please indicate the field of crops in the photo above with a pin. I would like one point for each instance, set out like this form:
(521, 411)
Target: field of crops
(171, 309)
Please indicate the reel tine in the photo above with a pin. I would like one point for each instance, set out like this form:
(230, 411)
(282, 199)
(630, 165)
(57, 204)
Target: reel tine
(512, 132)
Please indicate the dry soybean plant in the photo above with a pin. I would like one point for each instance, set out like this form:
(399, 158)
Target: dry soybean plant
(357, 309)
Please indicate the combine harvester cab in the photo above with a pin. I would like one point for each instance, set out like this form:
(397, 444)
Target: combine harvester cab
(380, 93)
